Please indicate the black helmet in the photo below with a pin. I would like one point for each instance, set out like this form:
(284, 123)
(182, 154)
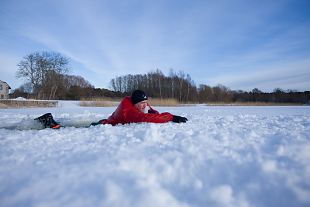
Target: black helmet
(138, 96)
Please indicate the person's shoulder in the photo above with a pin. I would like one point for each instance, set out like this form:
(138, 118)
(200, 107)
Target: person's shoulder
(126, 99)
(126, 102)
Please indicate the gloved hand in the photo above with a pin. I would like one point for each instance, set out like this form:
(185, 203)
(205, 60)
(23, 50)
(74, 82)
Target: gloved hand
(150, 111)
(179, 119)
(95, 123)
(102, 121)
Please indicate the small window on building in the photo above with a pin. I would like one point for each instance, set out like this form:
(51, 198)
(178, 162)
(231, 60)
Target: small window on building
(0, 87)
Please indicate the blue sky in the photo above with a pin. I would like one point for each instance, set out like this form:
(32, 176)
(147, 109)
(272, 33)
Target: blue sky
(241, 44)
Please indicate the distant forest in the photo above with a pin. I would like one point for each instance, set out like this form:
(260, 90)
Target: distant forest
(181, 87)
(47, 77)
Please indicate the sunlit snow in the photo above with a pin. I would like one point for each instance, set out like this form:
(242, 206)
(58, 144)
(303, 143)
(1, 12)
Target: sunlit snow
(223, 156)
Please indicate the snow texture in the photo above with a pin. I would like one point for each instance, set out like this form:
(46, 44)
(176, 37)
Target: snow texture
(223, 156)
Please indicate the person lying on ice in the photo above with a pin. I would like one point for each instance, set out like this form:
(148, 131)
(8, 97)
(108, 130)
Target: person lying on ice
(132, 109)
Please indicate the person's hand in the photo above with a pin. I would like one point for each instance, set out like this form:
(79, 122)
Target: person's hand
(102, 121)
(152, 111)
(179, 119)
(95, 123)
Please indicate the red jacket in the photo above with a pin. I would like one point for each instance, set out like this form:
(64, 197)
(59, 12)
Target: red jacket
(126, 113)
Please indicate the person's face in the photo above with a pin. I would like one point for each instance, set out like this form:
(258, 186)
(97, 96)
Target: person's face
(141, 105)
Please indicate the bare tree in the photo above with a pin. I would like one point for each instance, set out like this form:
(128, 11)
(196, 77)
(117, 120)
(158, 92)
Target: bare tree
(188, 81)
(204, 93)
(156, 84)
(159, 74)
(113, 85)
(28, 69)
(181, 76)
(43, 71)
(172, 75)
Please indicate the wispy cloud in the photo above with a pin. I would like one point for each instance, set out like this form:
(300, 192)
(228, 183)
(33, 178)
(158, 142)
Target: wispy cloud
(212, 41)
(7, 62)
(110, 47)
(286, 75)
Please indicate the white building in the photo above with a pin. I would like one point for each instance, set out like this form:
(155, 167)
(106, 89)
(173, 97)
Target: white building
(4, 90)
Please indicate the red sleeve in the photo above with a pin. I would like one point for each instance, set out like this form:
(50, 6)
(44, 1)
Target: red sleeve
(151, 110)
(134, 116)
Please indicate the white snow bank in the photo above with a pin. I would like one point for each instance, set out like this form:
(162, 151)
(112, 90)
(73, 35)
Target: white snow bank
(224, 156)
(20, 99)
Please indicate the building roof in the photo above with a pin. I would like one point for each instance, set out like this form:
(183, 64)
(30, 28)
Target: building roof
(6, 83)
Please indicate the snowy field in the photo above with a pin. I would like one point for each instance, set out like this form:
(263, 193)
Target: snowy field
(224, 156)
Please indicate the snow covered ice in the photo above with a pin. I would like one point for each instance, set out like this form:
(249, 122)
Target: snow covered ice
(223, 156)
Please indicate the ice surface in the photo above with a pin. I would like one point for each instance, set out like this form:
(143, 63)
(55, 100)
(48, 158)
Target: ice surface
(223, 156)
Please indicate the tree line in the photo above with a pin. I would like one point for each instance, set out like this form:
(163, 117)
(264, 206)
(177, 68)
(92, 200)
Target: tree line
(180, 86)
(46, 75)
(176, 86)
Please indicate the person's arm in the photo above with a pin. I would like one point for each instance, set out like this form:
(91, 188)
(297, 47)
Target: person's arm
(151, 110)
(135, 116)
(102, 121)
(176, 119)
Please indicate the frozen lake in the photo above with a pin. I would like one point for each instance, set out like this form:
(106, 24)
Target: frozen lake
(223, 156)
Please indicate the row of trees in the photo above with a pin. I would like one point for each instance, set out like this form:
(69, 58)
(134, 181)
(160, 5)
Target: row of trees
(177, 85)
(221, 93)
(44, 72)
(47, 77)
(180, 86)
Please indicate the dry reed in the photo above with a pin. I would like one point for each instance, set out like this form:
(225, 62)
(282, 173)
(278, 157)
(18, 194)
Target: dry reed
(163, 102)
(108, 102)
(251, 104)
(98, 102)
(3, 106)
(11, 103)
